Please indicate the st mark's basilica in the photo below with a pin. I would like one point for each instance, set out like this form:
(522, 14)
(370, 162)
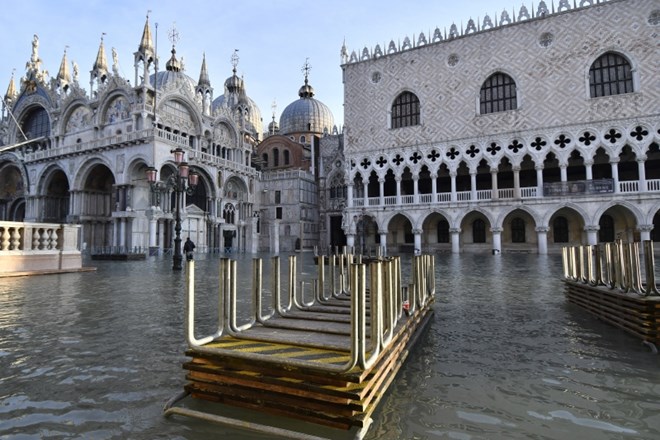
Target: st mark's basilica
(521, 132)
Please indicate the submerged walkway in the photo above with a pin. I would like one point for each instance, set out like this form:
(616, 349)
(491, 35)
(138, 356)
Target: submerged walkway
(328, 361)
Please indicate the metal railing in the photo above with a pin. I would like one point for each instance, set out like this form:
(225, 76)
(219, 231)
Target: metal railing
(349, 279)
(614, 265)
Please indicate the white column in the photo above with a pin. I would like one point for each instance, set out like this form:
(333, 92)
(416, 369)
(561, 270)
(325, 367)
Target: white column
(418, 241)
(592, 234)
(497, 240)
(254, 237)
(153, 225)
(615, 173)
(365, 191)
(516, 182)
(415, 189)
(115, 232)
(644, 232)
(381, 191)
(455, 240)
(122, 233)
(473, 185)
(398, 190)
(452, 174)
(642, 173)
(349, 195)
(562, 169)
(588, 165)
(539, 180)
(383, 241)
(493, 178)
(162, 224)
(542, 238)
(434, 187)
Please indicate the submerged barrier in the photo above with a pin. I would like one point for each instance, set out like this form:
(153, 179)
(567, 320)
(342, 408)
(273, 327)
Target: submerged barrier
(610, 282)
(324, 356)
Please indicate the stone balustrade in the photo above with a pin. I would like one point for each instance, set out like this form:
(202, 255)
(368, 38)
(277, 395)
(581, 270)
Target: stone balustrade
(33, 247)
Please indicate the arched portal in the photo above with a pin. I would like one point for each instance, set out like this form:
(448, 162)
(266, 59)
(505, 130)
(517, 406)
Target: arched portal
(617, 222)
(97, 201)
(12, 193)
(566, 228)
(56, 198)
(435, 235)
(400, 235)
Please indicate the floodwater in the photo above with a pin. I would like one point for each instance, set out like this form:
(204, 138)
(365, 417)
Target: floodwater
(96, 355)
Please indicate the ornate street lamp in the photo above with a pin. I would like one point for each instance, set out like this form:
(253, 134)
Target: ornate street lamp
(183, 181)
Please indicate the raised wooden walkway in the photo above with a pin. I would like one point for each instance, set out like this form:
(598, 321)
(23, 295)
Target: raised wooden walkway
(606, 281)
(328, 361)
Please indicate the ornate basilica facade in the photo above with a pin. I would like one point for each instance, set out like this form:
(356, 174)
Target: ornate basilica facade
(70, 156)
(520, 133)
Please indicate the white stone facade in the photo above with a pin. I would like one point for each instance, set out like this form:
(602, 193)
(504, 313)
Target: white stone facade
(70, 156)
(423, 186)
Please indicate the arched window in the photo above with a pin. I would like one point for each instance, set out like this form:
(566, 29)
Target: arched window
(405, 110)
(286, 157)
(303, 139)
(276, 157)
(610, 74)
(36, 124)
(478, 231)
(229, 213)
(443, 231)
(264, 157)
(517, 230)
(560, 229)
(606, 232)
(498, 94)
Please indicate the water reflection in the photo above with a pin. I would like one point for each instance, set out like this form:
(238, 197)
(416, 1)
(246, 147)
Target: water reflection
(97, 354)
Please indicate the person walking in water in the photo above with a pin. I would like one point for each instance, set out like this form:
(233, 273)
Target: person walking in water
(188, 248)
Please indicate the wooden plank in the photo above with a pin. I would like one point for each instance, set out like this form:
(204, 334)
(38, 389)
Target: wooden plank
(637, 315)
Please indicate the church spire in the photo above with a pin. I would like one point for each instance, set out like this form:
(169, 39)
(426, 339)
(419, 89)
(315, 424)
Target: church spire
(204, 74)
(204, 88)
(11, 91)
(146, 48)
(146, 54)
(100, 68)
(63, 76)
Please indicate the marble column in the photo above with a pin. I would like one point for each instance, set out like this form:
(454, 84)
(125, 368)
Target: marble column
(455, 240)
(542, 239)
(497, 240)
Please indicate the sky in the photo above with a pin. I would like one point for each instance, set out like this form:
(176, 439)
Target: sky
(274, 38)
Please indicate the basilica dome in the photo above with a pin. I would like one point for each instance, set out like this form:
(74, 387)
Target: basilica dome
(174, 70)
(306, 114)
(236, 99)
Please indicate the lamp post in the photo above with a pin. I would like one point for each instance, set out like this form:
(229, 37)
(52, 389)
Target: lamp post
(183, 181)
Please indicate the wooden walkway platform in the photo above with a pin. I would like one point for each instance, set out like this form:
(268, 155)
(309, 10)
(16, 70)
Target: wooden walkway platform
(327, 362)
(606, 281)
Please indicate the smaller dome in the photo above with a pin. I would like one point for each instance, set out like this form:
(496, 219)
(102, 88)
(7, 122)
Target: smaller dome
(306, 91)
(306, 114)
(273, 127)
(253, 122)
(234, 84)
(171, 76)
